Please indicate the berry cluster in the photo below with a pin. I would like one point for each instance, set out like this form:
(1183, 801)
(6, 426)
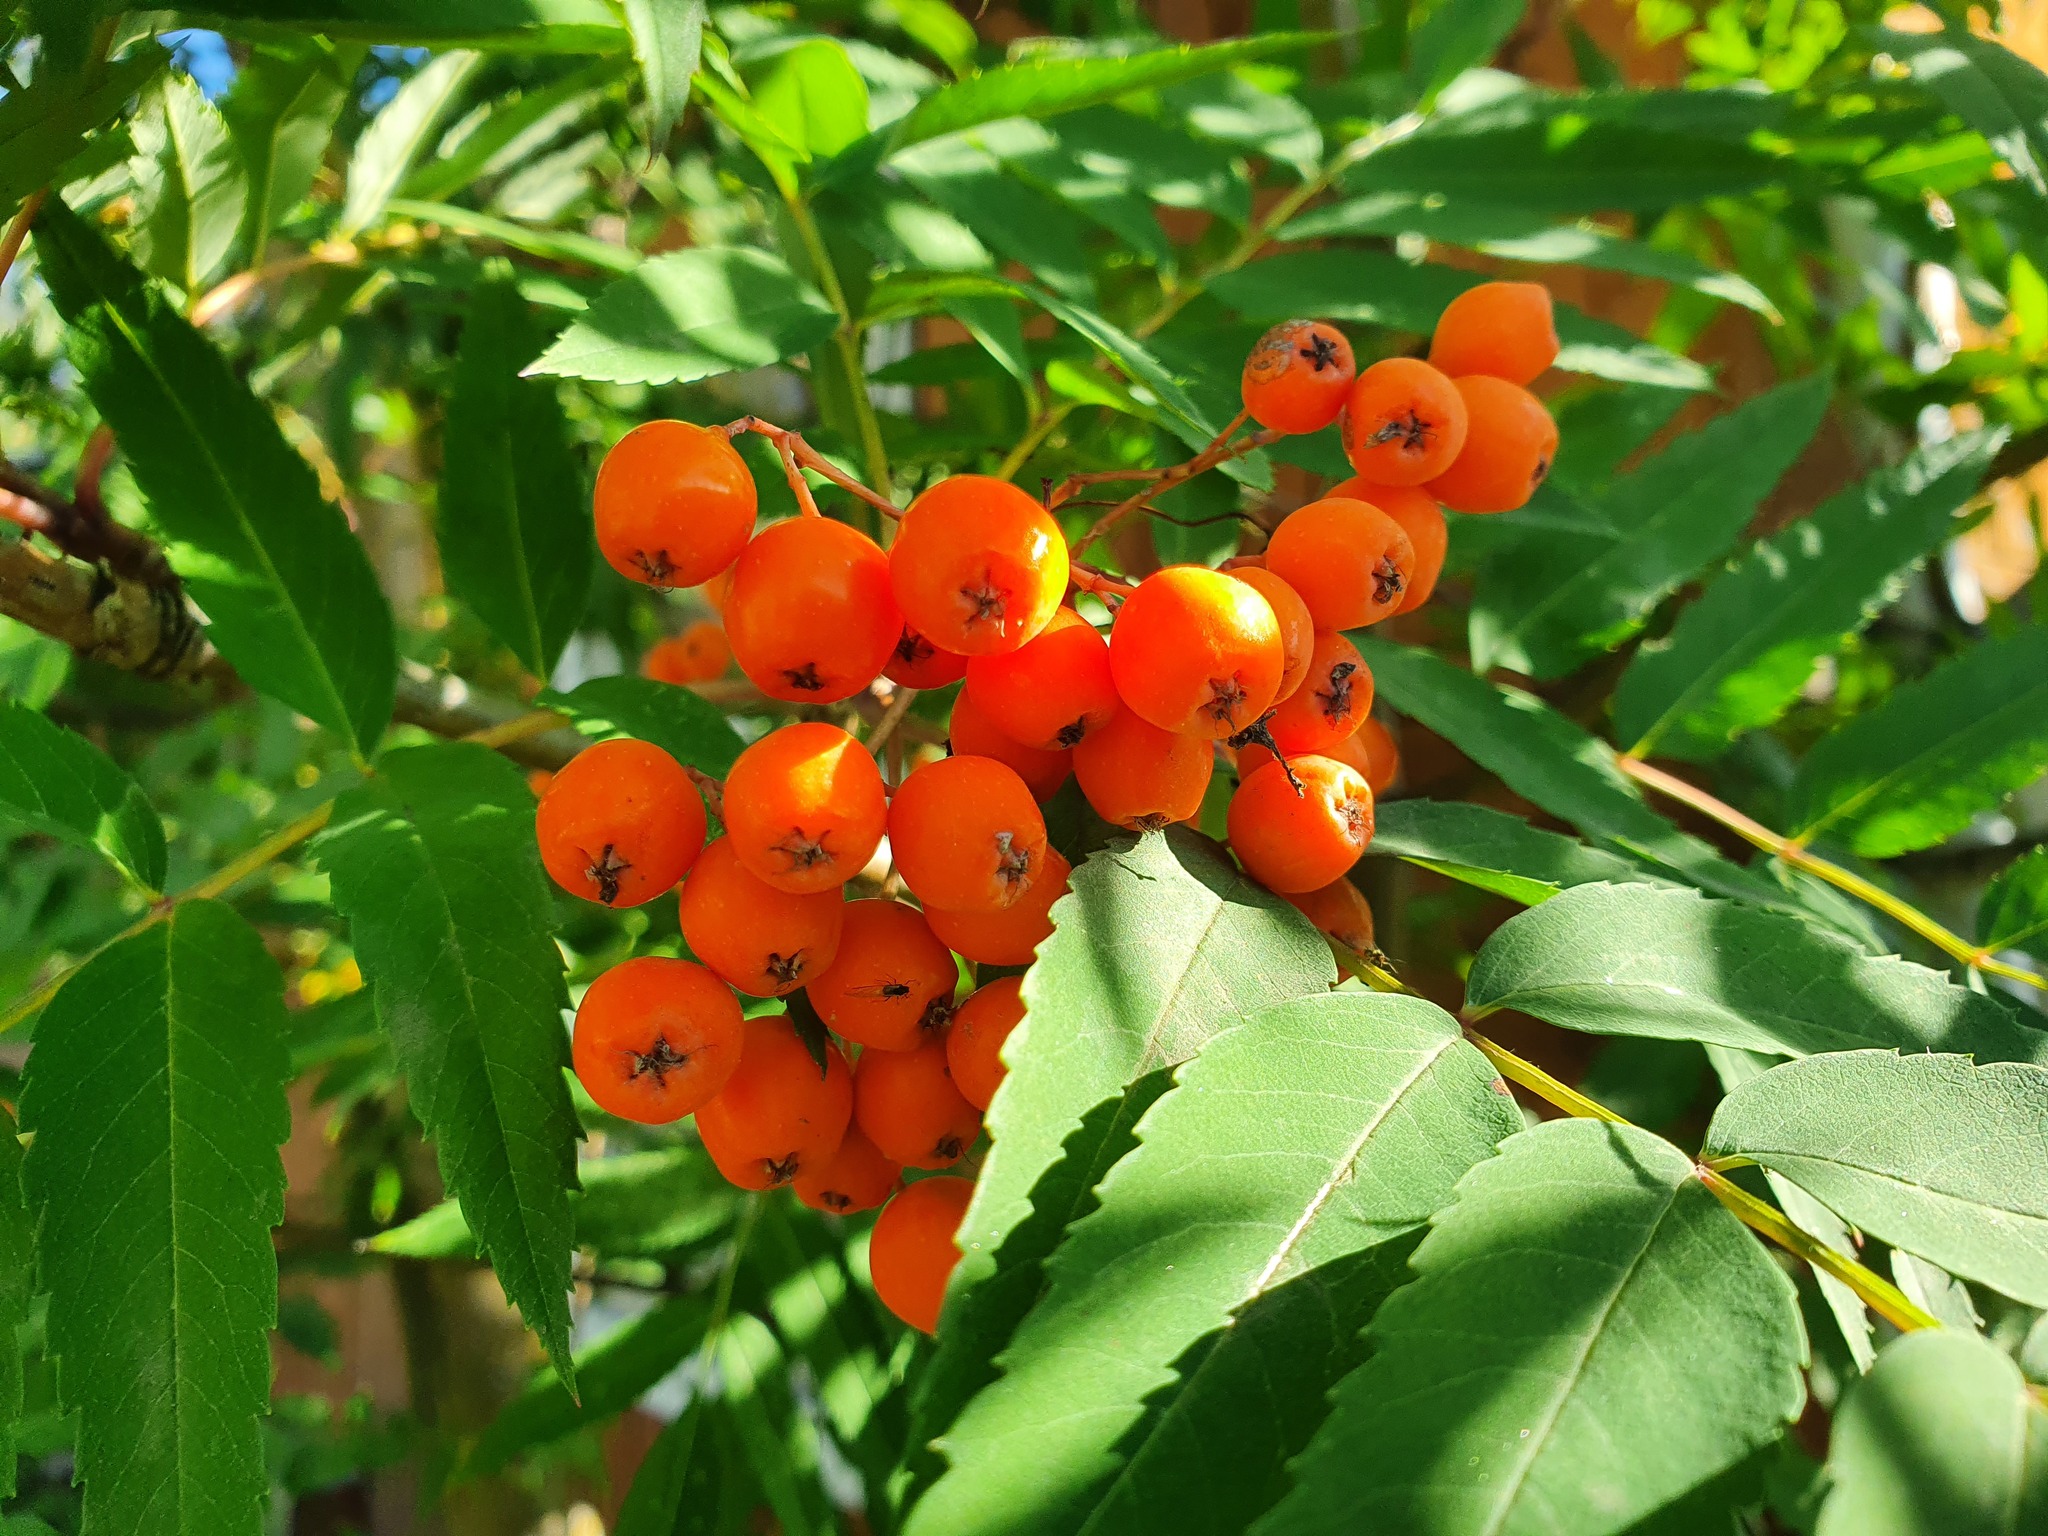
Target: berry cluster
(979, 587)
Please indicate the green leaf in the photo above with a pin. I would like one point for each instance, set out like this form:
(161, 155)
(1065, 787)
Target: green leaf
(189, 184)
(675, 719)
(398, 135)
(433, 862)
(1985, 83)
(512, 130)
(1738, 657)
(1590, 1336)
(156, 1096)
(281, 111)
(2014, 912)
(1492, 850)
(548, 244)
(55, 781)
(1933, 755)
(287, 589)
(1931, 1153)
(668, 40)
(777, 1437)
(33, 667)
(17, 1290)
(692, 1481)
(1321, 1130)
(1007, 214)
(514, 536)
(815, 97)
(45, 124)
(692, 315)
(541, 26)
(1455, 37)
(1672, 964)
(1546, 606)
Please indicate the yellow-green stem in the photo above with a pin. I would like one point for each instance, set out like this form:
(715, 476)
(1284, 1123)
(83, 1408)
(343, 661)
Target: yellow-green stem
(846, 341)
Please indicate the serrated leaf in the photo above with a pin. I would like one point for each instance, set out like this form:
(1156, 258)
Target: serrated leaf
(514, 536)
(1006, 214)
(2014, 912)
(1560, 1363)
(1985, 83)
(1931, 1153)
(281, 111)
(287, 590)
(1455, 37)
(55, 781)
(675, 719)
(1318, 1131)
(434, 864)
(17, 1290)
(1738, 657)
(156, 1095)
(189, 184)
(815, 97)
(693, 1480)
(514, 129)
(668, 40)
(398, 135)
(44, 125)
(1492, 850)
(1933, 755)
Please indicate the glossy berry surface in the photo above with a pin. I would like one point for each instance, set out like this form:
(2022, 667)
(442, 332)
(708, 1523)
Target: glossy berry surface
(858, 1178)
(674, 504)
(1197, 651)
(972, 734)
(1051, 691)
(1510, 451)
(1421, 519)
(906, 1103)
(764, 941)
(1349, 561)
(891, 984)
(656, 1039)
(805, 807)
(1298, 376)
(912, 1253)
(1291, 840)
(1506, 330)
(1012, 935)
(1135, 775)
(811, 616)
(1404, 422)
(778, 1113)
(966, 834)
(978, 567)
(621, 824)
(974, 1041)
(1330, 705)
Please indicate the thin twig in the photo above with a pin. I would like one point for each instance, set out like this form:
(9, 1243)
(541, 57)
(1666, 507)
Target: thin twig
(885, 726)
(10, 247)
(794, 451)
(1219, 451)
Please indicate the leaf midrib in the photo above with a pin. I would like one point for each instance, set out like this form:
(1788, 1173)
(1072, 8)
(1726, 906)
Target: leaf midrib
(1841, 1161)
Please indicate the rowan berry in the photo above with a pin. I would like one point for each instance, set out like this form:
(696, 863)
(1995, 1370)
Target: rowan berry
(778, 1113)
(1338, 910)
(858, 1178)
(906, 1104)
(1138, 776)
(974, 1040)
(656, 1039)
(538, 780)
(1011, 936)
(1298, 376)
(1371, 750)
(1329, 706)
(1297, 628)
(674, 504)
(1052, 690)
(805, 807)
(972, 734)
(1510, 450)
(891, 984)
(699, 654)
(620, 824)
(912, 1253)
(1403, 423)
(1421, 519)
(1507, 330)
(764, 941)
(1197, 651)
(966, 834)
(1291, 840)
(1350, 561)
(917, 663)
(979, 567)
(811, 618)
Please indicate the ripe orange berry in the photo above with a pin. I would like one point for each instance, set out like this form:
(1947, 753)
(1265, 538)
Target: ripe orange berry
(1329, 706)
(858, 1178)
(1297, 628)
(979, 567)
(1297, 376)
(912, 1253)
(1504, 329)
(1510, 450)
(805, 807)
(656, 1039)
(777, 1114)
(974, 1040)
(973, 734)
(1011, 936)
(966, 834)
(674, 504)
(1138, 776)
(764, 941)
(1349, 561)
(1339, 910)
(1372, 752)
(906, 1104)
(917, 663)
(891, 984)
(717, 590)
(1404, 422)
(621, 824)
(1297, 842)
(538, 780)
(811, 617)
(1052, 690)
(697, 655)
(1421, 519)
(1197, 651)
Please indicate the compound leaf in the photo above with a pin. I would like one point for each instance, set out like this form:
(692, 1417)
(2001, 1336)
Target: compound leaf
(677, 720)
(398, 135)
(55, 781)
(189, 184)
(1492, 850)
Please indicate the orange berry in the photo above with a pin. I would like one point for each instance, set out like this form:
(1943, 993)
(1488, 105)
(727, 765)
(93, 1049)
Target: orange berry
(764, 941)
(979, 567)
(966, 834)
(1507, 330)
(538, 780)
(1197, 651)
(1404, 422)
(973, 734)
(1297, 842)
(811, 617)
(674, 504)
(656, 1039)
(699, 654)
(805, 807)
(858, 1178)
(1339, 910)
(1297, 628)
(1297, 376)
(912, 1253)
(917, 663)
(1011, 936)
(717, 590)
(1510, 450)
(891, 985)
(1329, 706)
(1420, 518)
(1138, 776)
(974, 1040)
(1349, 561)
(1052, 690)
(1371, 750)
(621, 824)
(906, 1104)
(777, 1114)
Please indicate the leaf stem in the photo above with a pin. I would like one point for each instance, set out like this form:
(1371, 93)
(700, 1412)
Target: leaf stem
(1541, 1083)
(795, 451)
(847, 342)
(17, 232)
(885, 725)
(1219, 450)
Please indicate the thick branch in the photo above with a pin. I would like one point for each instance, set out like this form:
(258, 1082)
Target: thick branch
(136, 625)
(82, 527)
